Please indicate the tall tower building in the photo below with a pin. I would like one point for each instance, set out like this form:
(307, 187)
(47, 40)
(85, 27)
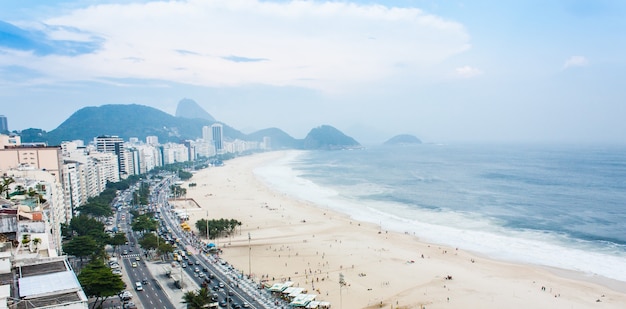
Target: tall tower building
(114, 145)
(152, 140)
(218, 137)
(4, 124)
(207, 134)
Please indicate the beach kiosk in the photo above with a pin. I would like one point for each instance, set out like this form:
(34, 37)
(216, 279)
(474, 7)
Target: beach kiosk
(302, 300)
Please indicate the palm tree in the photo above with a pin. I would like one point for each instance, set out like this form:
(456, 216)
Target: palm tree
(198, 299)
(4, 186)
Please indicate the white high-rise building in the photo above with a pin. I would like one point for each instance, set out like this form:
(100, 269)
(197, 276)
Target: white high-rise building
(207, 134)
(152, 140)
(114, 145)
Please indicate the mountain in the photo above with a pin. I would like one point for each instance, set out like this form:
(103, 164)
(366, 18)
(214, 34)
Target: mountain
(188, 108)
(131, 120)
(328, 138)
(278, 138)
(403, 139)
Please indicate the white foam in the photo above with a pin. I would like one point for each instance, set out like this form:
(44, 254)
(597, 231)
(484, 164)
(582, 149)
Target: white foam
(456, 229)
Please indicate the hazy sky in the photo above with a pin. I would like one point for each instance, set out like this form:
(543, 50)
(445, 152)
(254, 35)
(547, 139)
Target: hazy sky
(445, 71)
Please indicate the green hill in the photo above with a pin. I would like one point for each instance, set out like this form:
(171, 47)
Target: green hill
(130, 120)
(328, 138)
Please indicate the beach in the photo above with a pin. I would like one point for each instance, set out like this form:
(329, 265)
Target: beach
(285, 239)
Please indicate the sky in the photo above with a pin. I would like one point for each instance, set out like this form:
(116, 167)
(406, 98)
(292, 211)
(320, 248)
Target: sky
(531, 71)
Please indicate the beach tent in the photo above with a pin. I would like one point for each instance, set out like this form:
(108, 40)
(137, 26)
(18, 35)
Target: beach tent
(302, 300)
(313, 305)
(295, 292)
(280, 287)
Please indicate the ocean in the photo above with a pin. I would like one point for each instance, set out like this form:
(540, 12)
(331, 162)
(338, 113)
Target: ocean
(556, 206)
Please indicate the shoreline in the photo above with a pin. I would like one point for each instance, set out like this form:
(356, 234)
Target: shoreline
(296, 240)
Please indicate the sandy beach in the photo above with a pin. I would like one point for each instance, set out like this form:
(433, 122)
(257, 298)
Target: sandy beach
(311, 246)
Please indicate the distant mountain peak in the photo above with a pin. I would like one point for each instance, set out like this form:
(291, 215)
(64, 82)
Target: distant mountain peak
(329, 138)
(188, 108)
(403, 139)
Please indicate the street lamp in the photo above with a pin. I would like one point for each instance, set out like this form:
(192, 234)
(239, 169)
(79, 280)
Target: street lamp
(249, 258)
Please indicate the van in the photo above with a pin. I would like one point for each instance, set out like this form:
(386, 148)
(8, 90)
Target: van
(138, 286)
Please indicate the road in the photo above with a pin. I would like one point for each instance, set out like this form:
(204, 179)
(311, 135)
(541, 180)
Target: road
(233, 290)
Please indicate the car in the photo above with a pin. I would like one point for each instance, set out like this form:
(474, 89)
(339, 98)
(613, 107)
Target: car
(197, 262)
(236, 306)
(130, 305)
(137, 259)
(245, 305)
(144, 281)
(222, 303)
(201, 275)
(204, 269)
(211, 275)
(125, 295)
(221, 284)
(230, 293)
(125, 252)
(184, 265)
(134, 264)
(216, 288)
(196, 269)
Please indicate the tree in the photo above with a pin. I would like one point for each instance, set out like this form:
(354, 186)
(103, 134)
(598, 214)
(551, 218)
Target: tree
(4, 185)
(83, 225)
(183, 175)
(165, 248)
(217, 227)
(117, 240)
(197, 299)
(98, 281)
(149, 241)
(81, 246)
(144, 223)
(95, 209)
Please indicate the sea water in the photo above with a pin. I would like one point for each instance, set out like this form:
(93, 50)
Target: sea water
(557, 206)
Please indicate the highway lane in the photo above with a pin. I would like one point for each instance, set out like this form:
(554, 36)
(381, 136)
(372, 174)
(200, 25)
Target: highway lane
(152, 295)
(241, 290)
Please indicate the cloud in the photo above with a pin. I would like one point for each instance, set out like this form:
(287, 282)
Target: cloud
(467, 72)
(243, 59)
(576, 61)
(43, 43)
(312, 44)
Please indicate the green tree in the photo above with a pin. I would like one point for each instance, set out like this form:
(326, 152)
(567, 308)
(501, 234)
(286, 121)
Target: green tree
(177, 191)
(98, 281)
(149, 241)
(183, 175)
(83, 225)
(4, 185)
(95, 209)
(144, 223)
(81, 247)
(117, 240)
(197, 299)
(217, 228)
(165, 248)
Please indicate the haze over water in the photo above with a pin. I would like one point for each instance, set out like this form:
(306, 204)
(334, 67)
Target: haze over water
(560, 206)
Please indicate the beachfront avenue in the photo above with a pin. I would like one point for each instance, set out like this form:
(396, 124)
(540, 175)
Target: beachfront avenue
(164, 282)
